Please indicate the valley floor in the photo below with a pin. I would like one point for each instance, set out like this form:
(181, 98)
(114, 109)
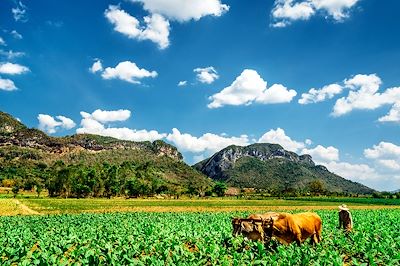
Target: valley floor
(32, 205)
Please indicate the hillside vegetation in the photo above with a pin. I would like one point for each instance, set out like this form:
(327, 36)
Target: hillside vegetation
(271, 168)
(90, 165)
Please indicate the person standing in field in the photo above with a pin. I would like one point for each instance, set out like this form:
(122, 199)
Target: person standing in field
(345, 220)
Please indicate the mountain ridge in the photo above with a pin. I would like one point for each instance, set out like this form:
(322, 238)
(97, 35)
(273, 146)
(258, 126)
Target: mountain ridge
(28, 153)
(270, 166)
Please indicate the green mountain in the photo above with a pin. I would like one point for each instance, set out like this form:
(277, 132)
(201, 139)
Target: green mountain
(270, 167)
(92, 165)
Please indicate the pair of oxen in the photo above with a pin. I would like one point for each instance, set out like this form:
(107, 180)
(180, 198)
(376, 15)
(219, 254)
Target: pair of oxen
(284, 227)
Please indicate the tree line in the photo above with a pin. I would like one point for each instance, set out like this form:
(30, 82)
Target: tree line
(129, 179)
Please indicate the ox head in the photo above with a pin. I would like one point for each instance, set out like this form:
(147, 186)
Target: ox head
(237, 225)
(268, 226)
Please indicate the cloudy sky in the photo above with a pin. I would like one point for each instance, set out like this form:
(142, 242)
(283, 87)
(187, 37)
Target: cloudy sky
(317, 76)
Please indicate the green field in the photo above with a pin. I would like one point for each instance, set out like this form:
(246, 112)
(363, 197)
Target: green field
(188, 239)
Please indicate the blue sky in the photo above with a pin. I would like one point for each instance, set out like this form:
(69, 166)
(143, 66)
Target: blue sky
(204, 74)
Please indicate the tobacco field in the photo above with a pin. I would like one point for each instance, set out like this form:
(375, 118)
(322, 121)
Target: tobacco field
(189, 239)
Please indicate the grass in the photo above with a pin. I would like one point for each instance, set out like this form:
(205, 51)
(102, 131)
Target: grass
(96, 205)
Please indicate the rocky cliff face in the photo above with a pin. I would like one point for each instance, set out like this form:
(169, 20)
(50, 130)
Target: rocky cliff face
(226, 158)
(269, 166)
(12, 132)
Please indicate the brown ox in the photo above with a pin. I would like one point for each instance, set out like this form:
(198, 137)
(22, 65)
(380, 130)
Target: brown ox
(251, 227)
(287, 228)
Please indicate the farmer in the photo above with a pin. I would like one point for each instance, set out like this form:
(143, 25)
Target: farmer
(345, 220)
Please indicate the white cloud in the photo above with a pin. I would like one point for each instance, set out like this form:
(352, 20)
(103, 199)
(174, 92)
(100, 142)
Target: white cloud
(338, 9)
(208, 142)
(10, 54)
(16, 35)
(97, 66)
(206, 75)
(2, 42)
(287, 11)
(12, 69)
(277, 93)
(319, 95)
(156, 29)
(249, 87)
(127, 71)
(386, 155)
(279, 136)
(320, 154)
(183, 10)
(355, 172)
(7, 85)
(364, 95)
(20, 12)
(383, 150)
(182, 83)
(393, 115)
(50, 125)
(109, 116)
(95, 124)
(390, 164)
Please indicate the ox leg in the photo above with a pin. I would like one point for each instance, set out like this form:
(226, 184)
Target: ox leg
(298, 239)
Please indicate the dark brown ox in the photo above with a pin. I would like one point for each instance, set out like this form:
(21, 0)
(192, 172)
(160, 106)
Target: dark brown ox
(287, 228)
(251, 227)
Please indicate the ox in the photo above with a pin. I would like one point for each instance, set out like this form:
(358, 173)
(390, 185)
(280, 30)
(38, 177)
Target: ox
(252, 226)
(287, 228)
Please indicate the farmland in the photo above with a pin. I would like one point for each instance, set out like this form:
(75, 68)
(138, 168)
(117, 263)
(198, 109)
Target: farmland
(188, 238)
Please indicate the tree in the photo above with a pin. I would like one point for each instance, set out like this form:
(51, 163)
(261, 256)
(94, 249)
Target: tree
(38, 189)
(15, 190)
(220, 188)
(316, 186)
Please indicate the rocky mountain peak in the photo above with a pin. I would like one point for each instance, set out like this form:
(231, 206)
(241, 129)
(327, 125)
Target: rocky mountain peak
(226, 158)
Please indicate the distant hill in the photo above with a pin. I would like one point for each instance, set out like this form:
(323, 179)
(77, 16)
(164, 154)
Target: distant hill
(27, 153)
(269, 166)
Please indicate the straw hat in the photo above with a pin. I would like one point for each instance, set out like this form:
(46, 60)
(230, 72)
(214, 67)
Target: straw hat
(343, 207)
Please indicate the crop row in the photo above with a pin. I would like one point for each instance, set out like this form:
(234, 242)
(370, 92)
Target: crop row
(188, 239)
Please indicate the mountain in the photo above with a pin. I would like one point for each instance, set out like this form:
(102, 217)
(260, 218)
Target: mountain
(27, 153)
(269, 166)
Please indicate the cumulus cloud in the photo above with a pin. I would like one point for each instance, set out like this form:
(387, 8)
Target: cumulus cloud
(337, 9)
(20, 12)
(393, 115)
(96, 67)
(108, 116)
(183, 10)
(384, 150)
(50, 124)
(287, 11)
(95, 123)
(319, 95)
(7, 85)
(355, 172)
(156, 27)
(248, 88)
(206, 75)
(182, 83)
(364, 95)
(12, 69)
(127, 71)
(321, 154)
(278, 136)
(208, 142)
(277, 93)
